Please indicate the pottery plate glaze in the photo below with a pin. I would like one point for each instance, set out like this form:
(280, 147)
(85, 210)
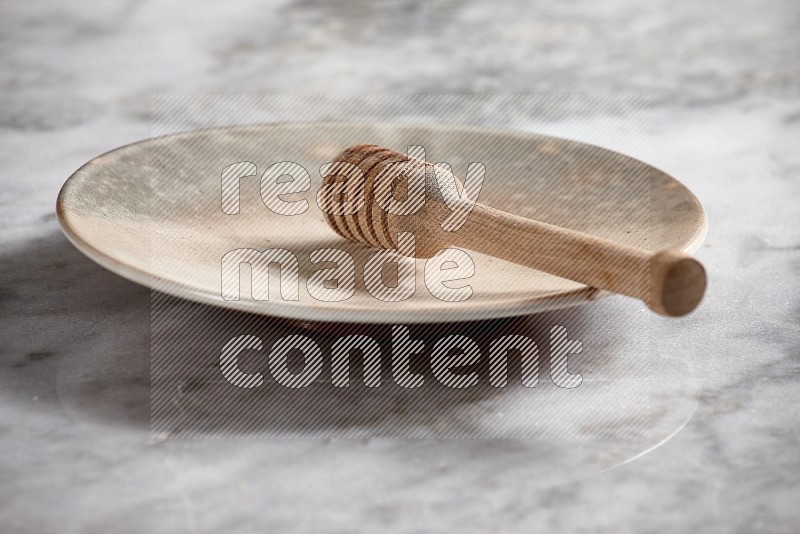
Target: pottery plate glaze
(152, 212)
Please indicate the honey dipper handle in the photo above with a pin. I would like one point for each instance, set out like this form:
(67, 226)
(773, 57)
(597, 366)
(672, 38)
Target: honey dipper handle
(670, 282)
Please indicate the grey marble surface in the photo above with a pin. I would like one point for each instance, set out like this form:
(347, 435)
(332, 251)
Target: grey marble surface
(76, 80)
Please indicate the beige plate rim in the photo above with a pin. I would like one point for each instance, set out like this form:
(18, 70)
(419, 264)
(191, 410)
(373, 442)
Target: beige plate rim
(466, 311)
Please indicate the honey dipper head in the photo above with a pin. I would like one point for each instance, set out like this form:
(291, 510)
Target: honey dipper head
(370, 194)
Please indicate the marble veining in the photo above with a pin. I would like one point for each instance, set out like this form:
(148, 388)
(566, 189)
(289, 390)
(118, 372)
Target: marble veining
(722, 83)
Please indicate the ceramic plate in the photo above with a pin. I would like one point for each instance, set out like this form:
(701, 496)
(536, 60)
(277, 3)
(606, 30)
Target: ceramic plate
(152, 212)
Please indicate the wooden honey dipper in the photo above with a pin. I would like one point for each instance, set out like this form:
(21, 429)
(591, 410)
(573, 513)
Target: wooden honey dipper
(670, 281)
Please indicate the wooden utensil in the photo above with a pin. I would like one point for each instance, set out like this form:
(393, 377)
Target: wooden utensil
(670, 282)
